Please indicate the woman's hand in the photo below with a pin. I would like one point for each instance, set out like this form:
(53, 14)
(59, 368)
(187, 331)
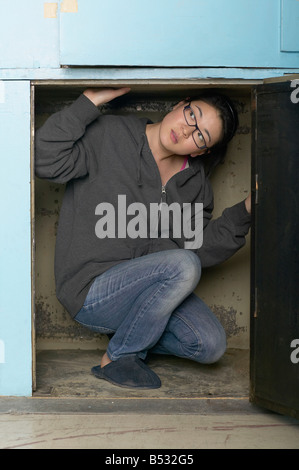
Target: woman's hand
(248, 203)
(101, 96)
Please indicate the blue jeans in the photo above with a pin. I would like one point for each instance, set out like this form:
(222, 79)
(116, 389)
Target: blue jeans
(149, 304)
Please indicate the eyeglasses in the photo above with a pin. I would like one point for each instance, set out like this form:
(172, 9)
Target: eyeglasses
(191, 121)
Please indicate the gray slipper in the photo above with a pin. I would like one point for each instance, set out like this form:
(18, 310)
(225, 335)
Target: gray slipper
(129, 372)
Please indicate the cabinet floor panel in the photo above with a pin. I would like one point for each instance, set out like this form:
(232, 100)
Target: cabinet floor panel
(66, 373)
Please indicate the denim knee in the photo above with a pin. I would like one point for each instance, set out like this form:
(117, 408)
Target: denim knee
(189, 267)
(212, 347)
(203, 347)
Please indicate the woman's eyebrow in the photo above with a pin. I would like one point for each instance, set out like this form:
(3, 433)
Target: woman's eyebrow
(200, 115)
(200, 111)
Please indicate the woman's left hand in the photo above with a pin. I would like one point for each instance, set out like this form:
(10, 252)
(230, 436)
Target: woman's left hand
(248, 203)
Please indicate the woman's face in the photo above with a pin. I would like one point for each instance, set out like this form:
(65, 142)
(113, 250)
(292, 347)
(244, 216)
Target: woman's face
(176, 134)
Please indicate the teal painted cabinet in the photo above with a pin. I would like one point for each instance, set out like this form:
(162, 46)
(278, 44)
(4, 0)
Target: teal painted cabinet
(142, 40)
(28, 38)
(190, 33)
(15, 240)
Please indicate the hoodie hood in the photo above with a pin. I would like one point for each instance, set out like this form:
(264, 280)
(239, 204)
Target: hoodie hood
(137, 130)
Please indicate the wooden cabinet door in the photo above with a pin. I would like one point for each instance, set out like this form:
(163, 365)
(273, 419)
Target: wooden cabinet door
(275, 248)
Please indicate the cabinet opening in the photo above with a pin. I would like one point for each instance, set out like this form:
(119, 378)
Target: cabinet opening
(64, 351)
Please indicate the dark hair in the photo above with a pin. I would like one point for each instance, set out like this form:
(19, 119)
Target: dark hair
(230, 121)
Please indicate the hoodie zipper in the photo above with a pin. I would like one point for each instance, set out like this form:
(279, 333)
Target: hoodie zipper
(162, 201)
(163, 195)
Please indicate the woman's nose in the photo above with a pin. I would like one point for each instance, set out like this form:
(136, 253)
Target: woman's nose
(186, 131)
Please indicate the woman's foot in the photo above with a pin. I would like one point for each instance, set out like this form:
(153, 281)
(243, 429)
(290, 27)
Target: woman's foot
(105, 360)
(128, 371)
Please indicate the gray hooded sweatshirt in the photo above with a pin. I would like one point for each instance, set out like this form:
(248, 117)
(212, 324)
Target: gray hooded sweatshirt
(108, 167)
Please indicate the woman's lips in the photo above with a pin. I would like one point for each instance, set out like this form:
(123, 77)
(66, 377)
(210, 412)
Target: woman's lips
(173, 137)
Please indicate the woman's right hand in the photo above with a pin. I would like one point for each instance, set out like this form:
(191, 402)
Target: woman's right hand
(100, 96)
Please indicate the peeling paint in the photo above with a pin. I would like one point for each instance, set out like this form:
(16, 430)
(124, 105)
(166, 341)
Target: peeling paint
(243, 130)
(51, 324)
(50, 10)
(228, 319)
(45, 212)
(69, 6)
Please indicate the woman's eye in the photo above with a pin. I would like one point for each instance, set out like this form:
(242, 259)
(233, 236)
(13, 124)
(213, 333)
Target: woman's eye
(200, 136)
(192, 115)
